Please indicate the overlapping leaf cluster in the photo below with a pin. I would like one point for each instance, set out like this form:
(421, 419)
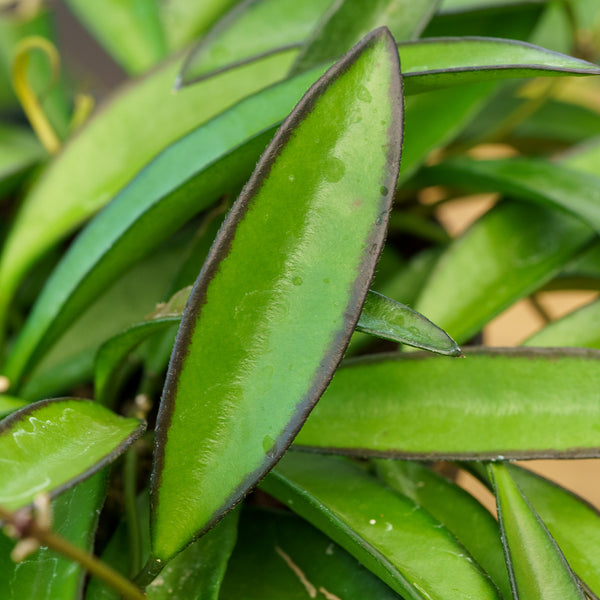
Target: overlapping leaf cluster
(211, 258)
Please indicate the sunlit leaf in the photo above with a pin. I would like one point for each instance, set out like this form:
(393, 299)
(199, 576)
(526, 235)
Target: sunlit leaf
(390, 534)
(513, 403)
(469, 521)
(51, 445)
(349, 20)
(280, 251)
(536, 565)
(253, 29)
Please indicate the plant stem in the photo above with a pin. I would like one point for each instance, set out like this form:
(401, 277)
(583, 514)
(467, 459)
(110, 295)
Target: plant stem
(46, 537)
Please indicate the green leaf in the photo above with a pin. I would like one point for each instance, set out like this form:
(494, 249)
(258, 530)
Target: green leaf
(496, 403)
(573, 523)
(289, 288)
(553, 125)
(442, 62)
(380, 316)
(391, 535)
(281, 556)
(183, 180)
(535, 239)
(536, 565)
(119, 141)
(577, 329)
(51, 445)
(399, 282)
(184, 21)
(19, 152)
(197, 573)
(540, 181)
(348, 21)
(113, 353)
(254, 28)
(513, 20)
(427, 128)
(45, 217)
(130, 30)
(46, 575)
(9, 404)
(508, 253)
(391, 320)
(469, 521)
(128, 300)
(582, 272)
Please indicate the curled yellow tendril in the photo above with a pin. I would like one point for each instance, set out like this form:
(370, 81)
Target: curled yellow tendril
(84, 105)
(25, 93)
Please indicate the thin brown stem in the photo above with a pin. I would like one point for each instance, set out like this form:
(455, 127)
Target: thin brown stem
(26, 526)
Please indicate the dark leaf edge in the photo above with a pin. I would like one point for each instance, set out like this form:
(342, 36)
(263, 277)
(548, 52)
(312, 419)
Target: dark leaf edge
(587, 68)
(221, 248)
(505, 543)
(19, 415)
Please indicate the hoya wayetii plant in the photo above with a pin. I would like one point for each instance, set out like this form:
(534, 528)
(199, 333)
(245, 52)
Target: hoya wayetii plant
(231, 306)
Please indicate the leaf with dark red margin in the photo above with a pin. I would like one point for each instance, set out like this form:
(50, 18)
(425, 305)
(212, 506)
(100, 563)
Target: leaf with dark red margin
(51, 445)
(273, 309)
(521, 403)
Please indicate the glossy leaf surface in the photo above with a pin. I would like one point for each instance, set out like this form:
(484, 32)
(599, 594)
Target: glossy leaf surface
(281, 556)
(130, 30)
(349, 20)
(536, 565)
(441, 62)
(254, 28)
(511, 251)
(469, 521)
(48, 311)
(46, 575)
(513, 403)
(390, 534)
(391, 320)
(137, 143)
(537, 180)
(119, 141)
(50, 445)
(186, 178)
(573, 523)
(278, 258)
(381, 317)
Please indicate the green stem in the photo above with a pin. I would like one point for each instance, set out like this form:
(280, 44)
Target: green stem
(149, 573)
(93, 565)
